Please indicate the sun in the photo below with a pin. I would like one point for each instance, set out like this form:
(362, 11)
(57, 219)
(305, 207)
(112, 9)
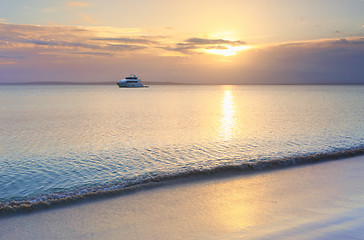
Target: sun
(227, 50)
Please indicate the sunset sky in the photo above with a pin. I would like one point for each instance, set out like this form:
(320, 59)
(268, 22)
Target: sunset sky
(199, 41)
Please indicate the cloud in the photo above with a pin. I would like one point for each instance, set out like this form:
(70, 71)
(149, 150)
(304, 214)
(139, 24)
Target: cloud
(323, 43)
(204, 41)
(9, 59)
(93, 53)
(124, 47)
(14, 57)
(62, 44)
(144, 40)
(179, 47)
(108, 31)
(344, 41)
(56, 39)
(7, 63)
(198, 45)
(2, 20)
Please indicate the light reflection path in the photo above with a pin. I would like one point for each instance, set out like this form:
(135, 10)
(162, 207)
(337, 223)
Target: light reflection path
(228, 120)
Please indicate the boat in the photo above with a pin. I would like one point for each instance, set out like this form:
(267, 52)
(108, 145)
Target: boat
(130, 82)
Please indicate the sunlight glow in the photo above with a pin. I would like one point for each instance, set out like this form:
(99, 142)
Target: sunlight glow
(228, 51)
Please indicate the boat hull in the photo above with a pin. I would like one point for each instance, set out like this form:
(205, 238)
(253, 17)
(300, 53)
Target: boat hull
(130, 85)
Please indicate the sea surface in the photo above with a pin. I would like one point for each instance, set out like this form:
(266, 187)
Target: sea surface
(60, 142)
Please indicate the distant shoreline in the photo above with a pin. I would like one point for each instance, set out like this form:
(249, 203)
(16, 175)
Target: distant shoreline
(169, 83)
(86, 83)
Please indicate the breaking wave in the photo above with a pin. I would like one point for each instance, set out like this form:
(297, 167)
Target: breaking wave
(150, 180)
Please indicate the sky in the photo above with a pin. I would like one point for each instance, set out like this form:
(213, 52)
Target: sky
(189, 41)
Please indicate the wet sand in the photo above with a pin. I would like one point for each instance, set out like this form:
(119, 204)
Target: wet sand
(317, 201)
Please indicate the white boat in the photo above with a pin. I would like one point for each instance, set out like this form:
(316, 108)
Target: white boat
(130, 82)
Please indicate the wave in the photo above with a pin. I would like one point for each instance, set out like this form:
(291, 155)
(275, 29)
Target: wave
(158, 179)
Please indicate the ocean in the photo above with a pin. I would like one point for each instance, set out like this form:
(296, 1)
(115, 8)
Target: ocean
(62, 143)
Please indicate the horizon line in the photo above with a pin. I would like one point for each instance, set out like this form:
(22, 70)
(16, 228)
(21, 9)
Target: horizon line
(166, 83)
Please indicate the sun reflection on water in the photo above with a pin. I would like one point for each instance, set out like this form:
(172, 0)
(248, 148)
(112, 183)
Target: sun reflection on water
(228, 115)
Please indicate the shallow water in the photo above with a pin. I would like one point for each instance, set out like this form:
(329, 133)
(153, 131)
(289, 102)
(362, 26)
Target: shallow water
(63, 140)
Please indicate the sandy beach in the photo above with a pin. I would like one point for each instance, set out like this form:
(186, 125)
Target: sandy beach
(317, 201)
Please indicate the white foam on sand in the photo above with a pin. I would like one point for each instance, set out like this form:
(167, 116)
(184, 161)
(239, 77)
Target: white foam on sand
(317, 201)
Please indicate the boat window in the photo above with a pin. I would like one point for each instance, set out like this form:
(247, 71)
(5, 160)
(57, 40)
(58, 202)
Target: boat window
(131, 81)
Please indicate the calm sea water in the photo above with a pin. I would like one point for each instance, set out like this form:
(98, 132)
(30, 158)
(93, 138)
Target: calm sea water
(61, 141)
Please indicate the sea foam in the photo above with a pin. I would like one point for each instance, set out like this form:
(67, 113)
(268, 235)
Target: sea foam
(147, 181)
